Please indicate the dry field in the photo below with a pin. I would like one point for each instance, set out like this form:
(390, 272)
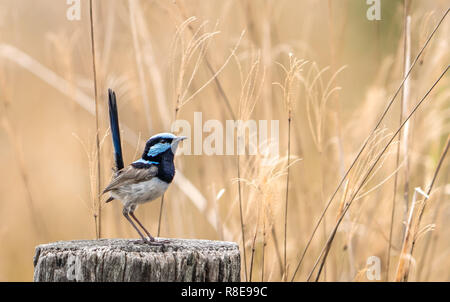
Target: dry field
(322, 69)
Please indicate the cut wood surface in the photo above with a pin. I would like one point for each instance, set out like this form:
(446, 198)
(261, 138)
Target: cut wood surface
(132, 260)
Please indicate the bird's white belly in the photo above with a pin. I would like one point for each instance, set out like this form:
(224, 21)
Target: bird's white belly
(142, 192)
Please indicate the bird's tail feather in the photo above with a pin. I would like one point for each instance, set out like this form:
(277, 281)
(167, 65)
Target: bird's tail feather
(115, 131)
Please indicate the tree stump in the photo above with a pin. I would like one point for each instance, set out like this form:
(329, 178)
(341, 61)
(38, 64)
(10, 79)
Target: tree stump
(132, 260)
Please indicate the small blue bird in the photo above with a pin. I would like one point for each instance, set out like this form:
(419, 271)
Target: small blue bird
(145, 179)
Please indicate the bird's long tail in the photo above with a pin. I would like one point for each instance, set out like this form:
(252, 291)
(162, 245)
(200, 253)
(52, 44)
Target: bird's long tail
(115, 132)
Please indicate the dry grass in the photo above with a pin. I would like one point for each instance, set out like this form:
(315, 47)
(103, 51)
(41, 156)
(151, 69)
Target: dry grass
(167, 60)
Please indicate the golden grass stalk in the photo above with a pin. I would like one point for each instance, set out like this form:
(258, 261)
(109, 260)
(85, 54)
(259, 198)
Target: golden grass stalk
(219, 223)
(323, 255)
(405, 97)
(403, 110)
(197, 44)
(195, 49)
(287, 199)
(160, 215)
(317, 96)
(266, 181)
(343, 203)
(402, 271)
(252, 257)
(289, 88)
(241, 215)
(210, 67)
(92, 154)
(369, 156)
(264, 243)
(405, 272)
(431, 239)
(250, 94)
(355, 179)
(380, 119)
(98, 214)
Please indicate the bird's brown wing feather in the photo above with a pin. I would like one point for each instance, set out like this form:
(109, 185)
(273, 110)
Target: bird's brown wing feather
(131, 175)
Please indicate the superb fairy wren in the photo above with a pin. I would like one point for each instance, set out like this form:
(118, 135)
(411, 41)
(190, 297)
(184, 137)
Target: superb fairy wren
(145, 179)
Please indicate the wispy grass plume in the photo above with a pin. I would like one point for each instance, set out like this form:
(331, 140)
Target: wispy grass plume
(98, 214)
(290, 88)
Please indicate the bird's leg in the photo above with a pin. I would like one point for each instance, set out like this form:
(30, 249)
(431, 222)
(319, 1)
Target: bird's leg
(140, 224)
(125, 213)
(152, 240)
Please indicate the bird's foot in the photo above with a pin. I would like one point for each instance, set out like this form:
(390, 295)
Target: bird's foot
(153, 241)
(150, 241)
(162, 241)
(139, 241)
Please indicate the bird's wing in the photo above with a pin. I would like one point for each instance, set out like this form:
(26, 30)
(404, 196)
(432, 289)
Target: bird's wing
(131, 175)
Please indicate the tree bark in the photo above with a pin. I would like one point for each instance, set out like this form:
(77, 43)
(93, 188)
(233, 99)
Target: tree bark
(132, 260)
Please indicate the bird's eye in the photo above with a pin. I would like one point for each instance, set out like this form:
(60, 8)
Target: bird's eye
(162, 141)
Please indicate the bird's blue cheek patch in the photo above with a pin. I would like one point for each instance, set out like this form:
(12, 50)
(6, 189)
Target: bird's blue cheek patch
(158, 149)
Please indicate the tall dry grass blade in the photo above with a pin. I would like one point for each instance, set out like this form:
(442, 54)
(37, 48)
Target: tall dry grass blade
(405, 97)
(289, 88)
(317, 97)
(98, 215)
(196, 46)
(252, 258)
(160, 214)
(430, 242)
(391, 228)
(250, 94)
(365, 143)
(263, 251)
(403, 110)
(343, 204)
(211, 69)
(287, 197)
(195, 93)
(90, 150)
(327, 246)
(424, 203)
(404, 255)
(241, 215)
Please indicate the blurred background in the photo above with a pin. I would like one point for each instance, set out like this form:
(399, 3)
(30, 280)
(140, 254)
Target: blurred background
(231, 60)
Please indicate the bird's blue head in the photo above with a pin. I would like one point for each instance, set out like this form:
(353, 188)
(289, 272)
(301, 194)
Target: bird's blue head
(161, 146)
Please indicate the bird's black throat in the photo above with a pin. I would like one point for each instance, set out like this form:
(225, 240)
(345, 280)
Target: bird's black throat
(166, 168)
(164, 162)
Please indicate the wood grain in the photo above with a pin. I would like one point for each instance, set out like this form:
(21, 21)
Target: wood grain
(117, 260)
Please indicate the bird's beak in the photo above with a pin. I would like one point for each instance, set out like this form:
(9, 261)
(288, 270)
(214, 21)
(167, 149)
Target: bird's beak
(177, 140)
(180, 138)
